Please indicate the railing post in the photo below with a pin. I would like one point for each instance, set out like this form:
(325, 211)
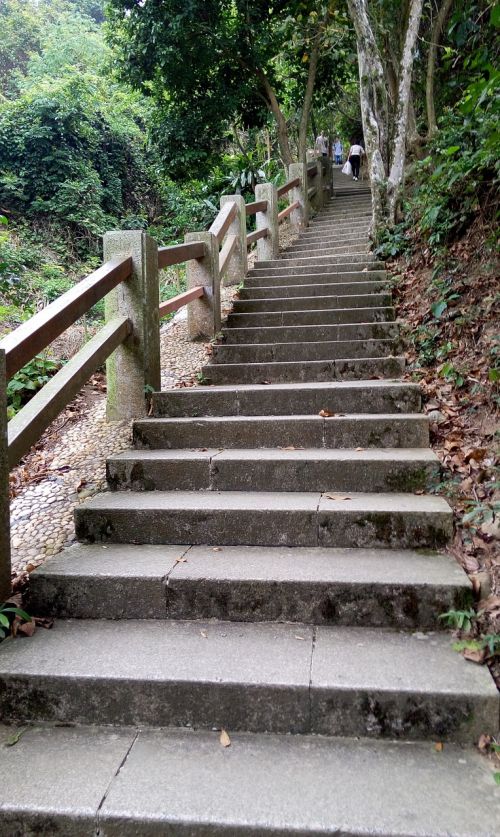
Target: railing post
(267, 248)
(299, 218)
(134, 368)
(204, 315)
(237, 267)
(5, 584)
(318, 182)
(327, 180)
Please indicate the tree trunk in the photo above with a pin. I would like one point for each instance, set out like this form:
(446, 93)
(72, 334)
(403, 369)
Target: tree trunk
(308, 95)
(437, 30)
(396, 174)
(374, 110)
(282, 128)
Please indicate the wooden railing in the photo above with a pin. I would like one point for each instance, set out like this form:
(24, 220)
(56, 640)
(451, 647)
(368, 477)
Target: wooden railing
(129, 340)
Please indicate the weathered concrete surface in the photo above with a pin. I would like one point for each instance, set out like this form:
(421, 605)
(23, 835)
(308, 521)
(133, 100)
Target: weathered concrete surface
(204, 314)
(373, 314)
(279, 785)
(371, 588)
(313, 289)
(312, 278)
(60, 781)
(257, 469)
(312, 431)
(305, 371)
(299, 217)
(134, 367)
(104, 582)
(267, 248)
(243, 676)
(329, 299)
(308, 334)
(298, 351)
(5, 585)
(380, 683)
(374, 588)
(238, 262)
(266, 519)
(53, 780)
(365, 397)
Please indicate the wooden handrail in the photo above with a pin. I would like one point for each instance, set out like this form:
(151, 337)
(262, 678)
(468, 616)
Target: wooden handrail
(312, 171)
(225, 254)
(180, 300)
(311, 191)
(254, 236)
(22, 344)
(256, 206)
(286, 212)
(28, 425)
(287, 186)
(223, 221)
(179, 253)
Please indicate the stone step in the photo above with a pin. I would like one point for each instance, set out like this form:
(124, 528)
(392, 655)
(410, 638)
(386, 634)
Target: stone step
(330, 270)
(257, 677)
(327, 301)
(365, 587)
(98, 780)
(339, 369)
(334, 232)
(321, 249)
(315, 278)
(307, 469)
(396, 520)
(284, 352)
(326, 245)
(276, 267)
(368, 430)
(364, 397)
(362, 259)
(352, 214)
(308, 333)
(313, 289)
(307, 317)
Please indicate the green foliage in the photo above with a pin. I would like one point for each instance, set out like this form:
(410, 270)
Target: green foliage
(8, 612)
(28, 381)
(461, 620)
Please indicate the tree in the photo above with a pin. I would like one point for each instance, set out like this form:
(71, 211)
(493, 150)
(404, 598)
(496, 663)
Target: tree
(385, 86)
(209, 62)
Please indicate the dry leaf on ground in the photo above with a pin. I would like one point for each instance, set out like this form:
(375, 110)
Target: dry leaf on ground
(224, 738)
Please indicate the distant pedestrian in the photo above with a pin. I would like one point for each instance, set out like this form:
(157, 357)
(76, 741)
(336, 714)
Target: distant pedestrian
(338, 151)
(322, 144)
(356, 152)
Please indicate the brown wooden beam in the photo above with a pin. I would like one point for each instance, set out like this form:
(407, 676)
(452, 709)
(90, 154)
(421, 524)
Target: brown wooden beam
(28, 425)
(251, 237)
(287, 186)
(256, 206)
(286, 212)
(180, 300)
(22, 344)
(179, 253)
(223, 221)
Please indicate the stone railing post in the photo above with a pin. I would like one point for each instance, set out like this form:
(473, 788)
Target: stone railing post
(5, 585)
(267, 248)
(134, 368)
(327, 180)
(319, 198)
(237, 267)
(299, 218)
(204, 313)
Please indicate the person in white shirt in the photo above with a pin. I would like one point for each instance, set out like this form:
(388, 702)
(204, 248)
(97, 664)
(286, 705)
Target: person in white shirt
(338, 151)
(322, 144)
(356, 152)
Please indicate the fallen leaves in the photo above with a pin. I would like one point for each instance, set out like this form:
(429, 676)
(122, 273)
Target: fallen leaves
(329, 414)
(224, 739)
(337, 497)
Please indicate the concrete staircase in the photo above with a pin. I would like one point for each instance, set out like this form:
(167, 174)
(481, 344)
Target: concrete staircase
(267, 562)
